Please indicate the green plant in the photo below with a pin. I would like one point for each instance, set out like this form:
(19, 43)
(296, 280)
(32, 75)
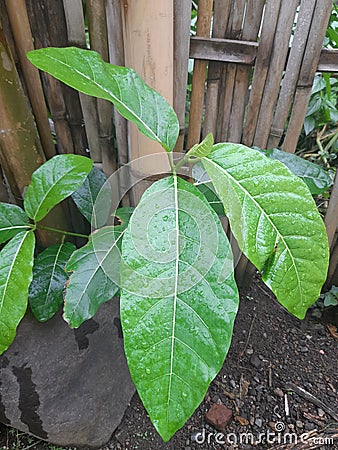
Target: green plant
(170, 256)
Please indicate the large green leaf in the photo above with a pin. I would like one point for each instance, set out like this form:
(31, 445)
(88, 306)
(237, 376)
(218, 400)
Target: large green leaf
(16, 263)
(275, 222)
(85, 71)
(49, 279)
(318, 180)
(13, 220)
(54, 181)
(178, 300)
(95, 276)
(86, 196)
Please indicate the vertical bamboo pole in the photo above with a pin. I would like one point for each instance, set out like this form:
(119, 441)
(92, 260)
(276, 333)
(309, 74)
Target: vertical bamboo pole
(221, 18)
(116, 56)
(182, 18)
(331, 217)
(307, 72)
(48, 23)
(279, 55)
(4, 197)
(264, 53)
(199, 75)
(20, 26)
(77, 37)
(97, 25)
(20, 148)
(149, 50)
(290, 79)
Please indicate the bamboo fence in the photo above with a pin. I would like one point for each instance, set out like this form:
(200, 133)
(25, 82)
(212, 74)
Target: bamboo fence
(254, 67)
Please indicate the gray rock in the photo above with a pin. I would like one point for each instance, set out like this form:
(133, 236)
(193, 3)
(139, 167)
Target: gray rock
(68, 387)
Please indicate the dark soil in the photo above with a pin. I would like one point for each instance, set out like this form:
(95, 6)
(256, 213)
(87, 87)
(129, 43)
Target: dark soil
(271, 356)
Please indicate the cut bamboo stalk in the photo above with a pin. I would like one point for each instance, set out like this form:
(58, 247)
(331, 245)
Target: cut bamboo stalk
(182, 18)
(199, 75)
(289, 83)
(77, 37)
(20, 147)
(275, 72)
(252, 21)
(20, 26)
(331, 217)
(309, 66)
(333, 267)
(220, 20)
(116, 57)
(49, 29)
(98, 36)
(261, 69)
(223, 93)
(234, 31)
(4, 197)
(6, 29)
(149, 50)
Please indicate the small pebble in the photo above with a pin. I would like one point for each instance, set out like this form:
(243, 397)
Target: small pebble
(279, 392)
(259, 422)
(299, 424)
(321, 413)
(309, 426)
(249, 351)
(304, 349)
(255, 361)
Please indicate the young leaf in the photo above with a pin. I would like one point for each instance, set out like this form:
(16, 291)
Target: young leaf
(318, 180)
(204, 148)
(54, 181)
(85, 71)
(49, 279)
(95, 268)
(13, 220)
(275, 221)
(178, 300)
(85, 198)
(16, 262)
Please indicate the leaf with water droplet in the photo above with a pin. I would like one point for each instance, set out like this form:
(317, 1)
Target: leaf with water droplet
(278, 209)
(175, 301)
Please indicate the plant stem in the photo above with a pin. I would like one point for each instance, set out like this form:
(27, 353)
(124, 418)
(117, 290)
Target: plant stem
(183, 161)
(67, 233)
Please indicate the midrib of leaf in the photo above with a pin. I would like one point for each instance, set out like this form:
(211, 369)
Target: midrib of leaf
(47, 193)
(53, 271)
(15, 227)
(94, 273)
(114, 97)
(246, 193)
(175, 293)
(11, 268)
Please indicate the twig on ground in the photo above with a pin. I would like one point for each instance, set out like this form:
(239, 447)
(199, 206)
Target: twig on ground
(311, 398)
